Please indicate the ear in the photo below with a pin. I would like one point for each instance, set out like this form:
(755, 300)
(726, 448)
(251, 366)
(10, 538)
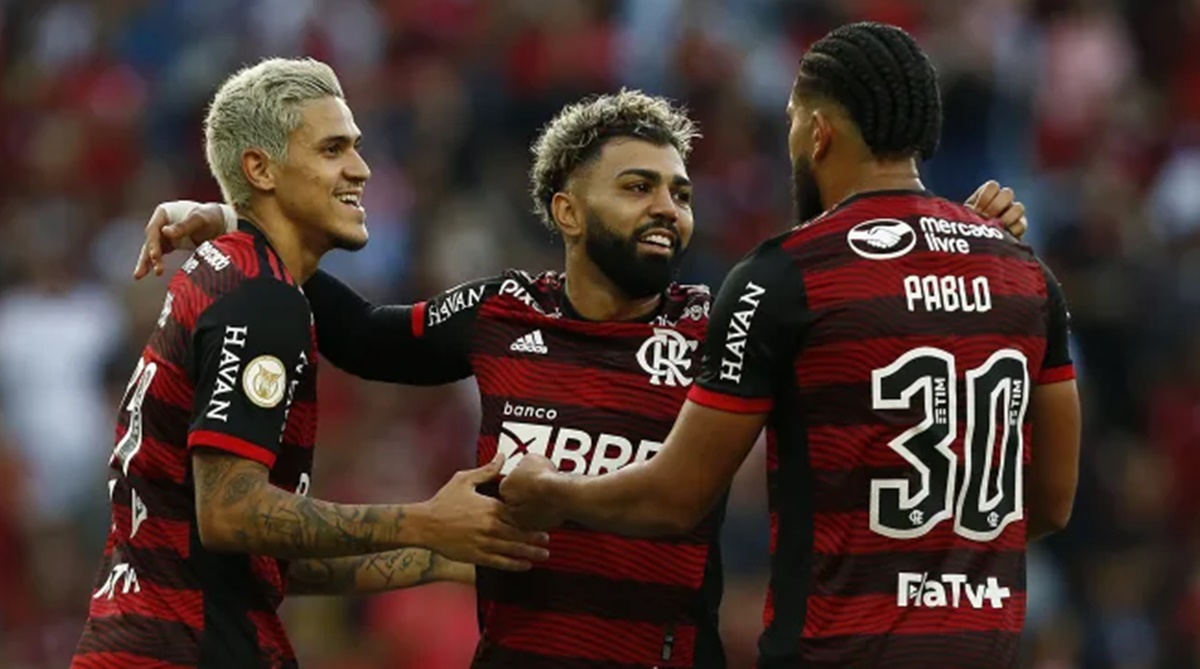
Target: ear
(822, 135)
(568, 214)
(259, 169)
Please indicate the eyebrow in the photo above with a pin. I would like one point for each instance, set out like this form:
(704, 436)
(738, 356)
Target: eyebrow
(651, 175)
(340, 139)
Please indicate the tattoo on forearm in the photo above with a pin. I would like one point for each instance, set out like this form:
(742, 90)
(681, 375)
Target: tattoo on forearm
(275, 521)
(407, 567)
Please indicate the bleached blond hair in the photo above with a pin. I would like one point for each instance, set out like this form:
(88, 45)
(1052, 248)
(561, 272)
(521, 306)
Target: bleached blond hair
(258, 107)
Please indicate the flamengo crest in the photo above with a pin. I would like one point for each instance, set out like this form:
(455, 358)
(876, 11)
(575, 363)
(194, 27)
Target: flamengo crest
(666, 356)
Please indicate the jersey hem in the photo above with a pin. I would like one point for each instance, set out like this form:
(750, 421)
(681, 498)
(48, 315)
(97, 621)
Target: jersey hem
(730, 403)
(231, 444)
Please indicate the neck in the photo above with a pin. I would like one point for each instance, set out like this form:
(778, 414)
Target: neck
(873, 175)
(594, 296)
(299, 255)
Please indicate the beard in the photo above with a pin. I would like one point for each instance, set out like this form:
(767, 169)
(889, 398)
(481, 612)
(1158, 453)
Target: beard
(806, 194)
(635, 274)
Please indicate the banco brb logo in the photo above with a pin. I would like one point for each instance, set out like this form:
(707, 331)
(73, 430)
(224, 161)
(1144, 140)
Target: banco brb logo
(666, 356)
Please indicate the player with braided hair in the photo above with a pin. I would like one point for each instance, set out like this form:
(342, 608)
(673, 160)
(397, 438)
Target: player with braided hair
(909, 361)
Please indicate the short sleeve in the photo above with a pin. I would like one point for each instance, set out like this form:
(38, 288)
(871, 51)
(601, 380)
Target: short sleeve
(247, 349)
(1056, 365)
(757, 323)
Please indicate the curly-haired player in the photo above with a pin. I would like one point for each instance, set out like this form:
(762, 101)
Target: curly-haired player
(587, 367)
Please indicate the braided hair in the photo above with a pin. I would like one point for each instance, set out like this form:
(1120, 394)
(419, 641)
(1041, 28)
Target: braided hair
(881, 77)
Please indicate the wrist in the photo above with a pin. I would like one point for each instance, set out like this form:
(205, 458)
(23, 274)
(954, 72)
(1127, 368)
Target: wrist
(416, 527)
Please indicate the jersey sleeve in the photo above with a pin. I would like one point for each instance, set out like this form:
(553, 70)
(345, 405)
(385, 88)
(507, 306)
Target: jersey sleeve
(247, 349)
(758, 321)
(1056, 365)
(427, 343)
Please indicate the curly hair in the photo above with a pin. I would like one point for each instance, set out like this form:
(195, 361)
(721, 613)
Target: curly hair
(575, 136)
(880, 75)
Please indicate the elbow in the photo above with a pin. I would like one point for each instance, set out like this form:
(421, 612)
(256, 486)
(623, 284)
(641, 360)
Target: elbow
(680, 517)
(217, 531)
(1053, 518)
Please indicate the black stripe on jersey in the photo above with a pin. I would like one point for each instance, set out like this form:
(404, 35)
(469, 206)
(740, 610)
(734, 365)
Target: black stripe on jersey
(164, 422)
(230, 593)
(172, 340)
(876, 573)
(790, 494)
(876, 318)
(161, 640)
(163, 499)
(952, 650)
(158, 566)
(698, 536)
(589, 594)
(496, 657)
(849, 490)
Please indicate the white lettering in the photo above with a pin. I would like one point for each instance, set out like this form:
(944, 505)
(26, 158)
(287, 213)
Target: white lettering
(739, 332)
(519, 411)
(915, 589)
(212, 256)
(227, 372)
(950, 294)
(123, 576)
(453, 303)
(571, 446)
(570, 449)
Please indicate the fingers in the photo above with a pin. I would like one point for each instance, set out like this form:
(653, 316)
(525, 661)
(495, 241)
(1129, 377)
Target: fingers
(1019, 228)
(152, 249)
(983, 195)
(516, 549)
(503, 563)
(483, 474)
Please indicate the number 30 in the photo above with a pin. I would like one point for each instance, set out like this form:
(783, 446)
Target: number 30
(997, 396)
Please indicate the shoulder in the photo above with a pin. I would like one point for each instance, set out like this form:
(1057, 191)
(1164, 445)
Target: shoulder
(686, 302)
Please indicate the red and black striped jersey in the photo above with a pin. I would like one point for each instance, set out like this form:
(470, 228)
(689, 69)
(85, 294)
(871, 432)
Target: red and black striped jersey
(591, 396)
(230, 366)
(894, 343)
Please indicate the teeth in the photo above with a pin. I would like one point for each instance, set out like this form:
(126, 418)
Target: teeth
(660, 240)
(349, 199)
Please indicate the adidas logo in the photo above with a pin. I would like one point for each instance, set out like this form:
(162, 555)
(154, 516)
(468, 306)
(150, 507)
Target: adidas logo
(530, 343)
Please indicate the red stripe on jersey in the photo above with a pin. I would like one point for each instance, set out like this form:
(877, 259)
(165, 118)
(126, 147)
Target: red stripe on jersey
(850, 282)
(271, 634)
(114, 660)
(173, 535)
(231, 444)
(1057, 374)
(845, 447)
(589, 637)
(577, 385)
(418, 319)
(157, 459)
(851, 534)
(881, 614)
(274, 266)
(181, 606)
(851, 361)
(730, 403)
(618, 558)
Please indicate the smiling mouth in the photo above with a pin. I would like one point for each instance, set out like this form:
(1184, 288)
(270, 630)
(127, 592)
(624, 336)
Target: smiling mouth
(351, 199)
(658, 240)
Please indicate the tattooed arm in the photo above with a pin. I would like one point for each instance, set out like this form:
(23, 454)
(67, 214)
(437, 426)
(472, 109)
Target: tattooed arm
(238, 510)
(379, 572)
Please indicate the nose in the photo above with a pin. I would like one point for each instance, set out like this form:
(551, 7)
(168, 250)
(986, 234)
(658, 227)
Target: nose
(357, 169)
(664, 205)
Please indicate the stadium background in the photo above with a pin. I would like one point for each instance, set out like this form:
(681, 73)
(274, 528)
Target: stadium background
(1089, 108)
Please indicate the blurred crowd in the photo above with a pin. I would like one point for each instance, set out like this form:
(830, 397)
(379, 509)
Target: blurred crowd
(1090, 109)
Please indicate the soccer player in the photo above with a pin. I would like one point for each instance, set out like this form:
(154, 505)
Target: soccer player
(588, 367)
(211, 519)
(910, 364)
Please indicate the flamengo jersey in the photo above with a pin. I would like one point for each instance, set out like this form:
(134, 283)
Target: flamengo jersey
(894, 342)
(591, 396)
(231, 366)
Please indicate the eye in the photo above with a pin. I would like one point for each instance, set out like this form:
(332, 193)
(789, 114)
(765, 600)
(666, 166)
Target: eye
(684, 196)
(639, 187)
(332, 150)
